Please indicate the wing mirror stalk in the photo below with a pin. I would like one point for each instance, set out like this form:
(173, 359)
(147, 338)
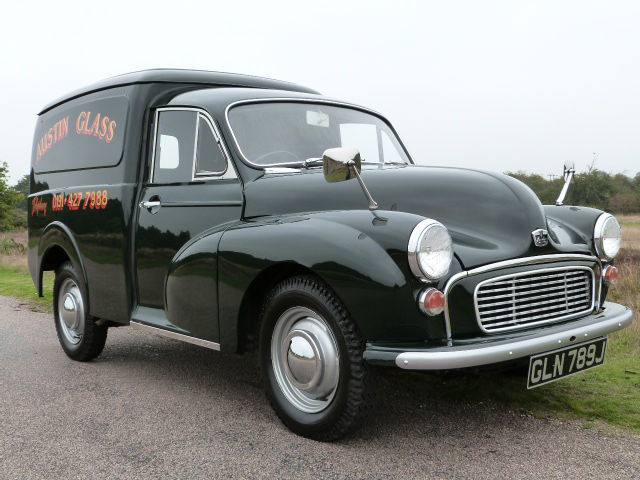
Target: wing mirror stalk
(568, 173)
(339, 164)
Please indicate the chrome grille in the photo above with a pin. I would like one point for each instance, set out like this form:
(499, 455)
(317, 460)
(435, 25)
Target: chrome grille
(525, 299)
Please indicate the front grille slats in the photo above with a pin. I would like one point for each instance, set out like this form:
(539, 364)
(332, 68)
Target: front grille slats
(533, 298)
(516, 310)
(537, 279)
(579, 297)
(559, 282)
(510, 295)
(535, 318)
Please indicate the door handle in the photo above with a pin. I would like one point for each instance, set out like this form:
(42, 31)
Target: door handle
(149, 204)
(152, 205)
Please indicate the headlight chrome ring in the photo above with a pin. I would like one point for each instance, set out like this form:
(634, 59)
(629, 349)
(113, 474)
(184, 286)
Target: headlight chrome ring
(607, 236)
(426, 262)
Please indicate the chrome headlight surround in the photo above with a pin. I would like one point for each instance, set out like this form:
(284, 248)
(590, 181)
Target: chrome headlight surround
(419, 251)
(607, 236)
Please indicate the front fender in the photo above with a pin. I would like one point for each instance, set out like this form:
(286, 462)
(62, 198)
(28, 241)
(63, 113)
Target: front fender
(571, 228)
(361, 255)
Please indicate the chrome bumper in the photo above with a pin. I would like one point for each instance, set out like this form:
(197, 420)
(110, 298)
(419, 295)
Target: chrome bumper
(613, 317)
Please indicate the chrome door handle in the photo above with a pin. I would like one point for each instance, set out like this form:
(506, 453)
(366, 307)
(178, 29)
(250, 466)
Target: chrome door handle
(149, 205)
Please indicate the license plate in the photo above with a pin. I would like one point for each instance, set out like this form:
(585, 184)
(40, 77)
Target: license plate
(551, 366)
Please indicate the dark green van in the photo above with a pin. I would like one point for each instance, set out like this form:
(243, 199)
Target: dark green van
(247, 214)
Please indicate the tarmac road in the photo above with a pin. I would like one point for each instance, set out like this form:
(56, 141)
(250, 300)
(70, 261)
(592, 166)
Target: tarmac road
(150, 407)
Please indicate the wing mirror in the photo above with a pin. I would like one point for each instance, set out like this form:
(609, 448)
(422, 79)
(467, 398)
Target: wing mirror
(339, 164)
(569, 167)
(568, 173)
(344, 163)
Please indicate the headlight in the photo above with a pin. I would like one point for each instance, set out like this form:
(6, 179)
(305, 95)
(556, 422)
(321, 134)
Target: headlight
(607, 236)
(430, 250)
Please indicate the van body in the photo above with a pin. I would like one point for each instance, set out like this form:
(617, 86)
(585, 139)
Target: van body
(217, 209)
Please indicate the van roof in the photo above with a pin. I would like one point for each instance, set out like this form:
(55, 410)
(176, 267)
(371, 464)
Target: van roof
(175, 75)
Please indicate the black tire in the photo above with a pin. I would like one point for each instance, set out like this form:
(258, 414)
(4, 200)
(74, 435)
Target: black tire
(353, 396)
(93, 337)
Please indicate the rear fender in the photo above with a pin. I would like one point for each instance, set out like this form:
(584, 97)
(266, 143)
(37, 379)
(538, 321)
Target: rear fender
(57, 234)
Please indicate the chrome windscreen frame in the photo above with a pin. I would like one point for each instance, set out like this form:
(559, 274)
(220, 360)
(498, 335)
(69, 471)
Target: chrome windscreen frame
(540, 322)
(517, 262)
(320, 101)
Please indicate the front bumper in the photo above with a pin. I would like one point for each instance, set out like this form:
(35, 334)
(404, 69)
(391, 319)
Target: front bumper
(487, 351)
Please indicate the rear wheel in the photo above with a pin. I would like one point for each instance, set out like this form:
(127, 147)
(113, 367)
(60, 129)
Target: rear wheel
(80, 336)
(311, 360)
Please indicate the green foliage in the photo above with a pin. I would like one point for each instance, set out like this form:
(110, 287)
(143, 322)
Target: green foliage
(593, 188)
(22, 187)
(8, 246)
(9, 198)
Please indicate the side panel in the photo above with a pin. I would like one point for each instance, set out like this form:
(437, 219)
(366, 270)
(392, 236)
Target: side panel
(88, 184)
(192, 288)
(98, 233)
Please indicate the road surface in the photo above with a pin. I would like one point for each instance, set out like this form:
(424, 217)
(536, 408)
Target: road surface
(150, 407)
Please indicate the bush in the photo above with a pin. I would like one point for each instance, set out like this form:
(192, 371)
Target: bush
(9, 198)
(593, 188)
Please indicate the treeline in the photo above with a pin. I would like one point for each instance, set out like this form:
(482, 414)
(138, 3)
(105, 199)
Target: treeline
(13, 201)
(593, 188)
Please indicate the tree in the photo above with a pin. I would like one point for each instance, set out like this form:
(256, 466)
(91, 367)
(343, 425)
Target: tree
(592, 188)
(22, 187)
(8, 199)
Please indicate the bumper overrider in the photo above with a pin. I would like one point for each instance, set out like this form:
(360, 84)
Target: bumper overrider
(487, 351)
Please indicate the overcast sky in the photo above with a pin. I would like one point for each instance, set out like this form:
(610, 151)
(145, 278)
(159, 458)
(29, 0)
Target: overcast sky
(494, 85)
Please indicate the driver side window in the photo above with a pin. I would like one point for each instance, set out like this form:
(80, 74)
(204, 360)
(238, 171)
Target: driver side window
(175, 142)
(187, 148)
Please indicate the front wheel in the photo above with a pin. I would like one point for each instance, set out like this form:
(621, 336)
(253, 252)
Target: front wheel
(311, 360)
(80, 336)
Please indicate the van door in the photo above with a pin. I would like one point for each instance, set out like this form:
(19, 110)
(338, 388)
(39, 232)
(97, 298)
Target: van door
(192, 187)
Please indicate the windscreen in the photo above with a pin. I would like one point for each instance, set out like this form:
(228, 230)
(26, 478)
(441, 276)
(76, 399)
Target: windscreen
(272, 133)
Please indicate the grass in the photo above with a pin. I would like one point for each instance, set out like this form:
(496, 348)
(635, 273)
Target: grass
(608, 394)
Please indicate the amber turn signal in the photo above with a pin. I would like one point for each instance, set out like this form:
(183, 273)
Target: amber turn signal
(431, 302)
(611, 275)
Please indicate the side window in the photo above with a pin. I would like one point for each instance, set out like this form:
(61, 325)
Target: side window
(362, 136)
(175, 143)
(390, 151)
(209, 157)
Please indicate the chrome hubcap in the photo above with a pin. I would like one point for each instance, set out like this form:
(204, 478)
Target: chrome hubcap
(71, 311)
(305, 359)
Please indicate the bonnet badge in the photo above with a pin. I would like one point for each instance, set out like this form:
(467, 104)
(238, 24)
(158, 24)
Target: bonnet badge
(540, 237)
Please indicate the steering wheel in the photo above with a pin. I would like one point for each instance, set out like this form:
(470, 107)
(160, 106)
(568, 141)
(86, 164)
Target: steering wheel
(294, 157)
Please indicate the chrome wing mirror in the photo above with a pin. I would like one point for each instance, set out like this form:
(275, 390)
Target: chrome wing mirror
(569, 172)
(344, 163)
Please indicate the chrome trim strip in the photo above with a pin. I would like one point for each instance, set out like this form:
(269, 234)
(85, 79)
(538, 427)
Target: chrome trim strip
(176, 336)
(204, 203)
(515, 263)
(412, 249)
(597, 235)
(568, 269)
(301, 100)
(462, 357)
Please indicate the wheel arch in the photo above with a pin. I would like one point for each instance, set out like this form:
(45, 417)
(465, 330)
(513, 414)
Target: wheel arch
(253, 299)
(57, 245)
